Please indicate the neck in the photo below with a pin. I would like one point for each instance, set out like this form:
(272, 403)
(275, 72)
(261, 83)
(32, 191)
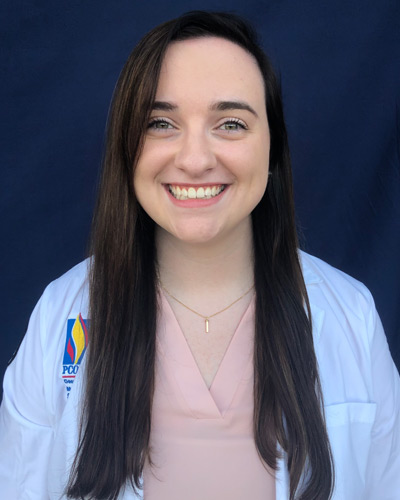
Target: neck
(199, 271)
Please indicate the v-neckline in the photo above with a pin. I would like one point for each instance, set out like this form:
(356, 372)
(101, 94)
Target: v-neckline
(204, 402)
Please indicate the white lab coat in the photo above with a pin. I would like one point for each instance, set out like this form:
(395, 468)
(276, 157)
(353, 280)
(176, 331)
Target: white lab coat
(361, 387)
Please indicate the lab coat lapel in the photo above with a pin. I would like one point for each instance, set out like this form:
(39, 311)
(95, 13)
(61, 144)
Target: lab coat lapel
(317, 320)
(317, 314)
(282, 478)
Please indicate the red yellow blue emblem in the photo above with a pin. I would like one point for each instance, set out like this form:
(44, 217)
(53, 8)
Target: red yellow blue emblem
(75, 347)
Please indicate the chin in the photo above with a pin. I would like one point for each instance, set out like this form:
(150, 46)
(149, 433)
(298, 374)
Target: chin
(196, 236)
(196, 239)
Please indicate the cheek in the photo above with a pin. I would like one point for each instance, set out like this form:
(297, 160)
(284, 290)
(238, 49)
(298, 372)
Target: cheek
(141, 186)
(146, 172)
(137, 187)
(146, 164)
(257, 178)
(259, 187)
(142, 172)
(262, 161)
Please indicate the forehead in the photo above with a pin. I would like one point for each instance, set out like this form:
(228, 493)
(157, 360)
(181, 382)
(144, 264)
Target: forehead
(209, 68)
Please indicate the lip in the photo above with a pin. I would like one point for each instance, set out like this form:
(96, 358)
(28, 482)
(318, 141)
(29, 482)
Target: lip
(196, 202)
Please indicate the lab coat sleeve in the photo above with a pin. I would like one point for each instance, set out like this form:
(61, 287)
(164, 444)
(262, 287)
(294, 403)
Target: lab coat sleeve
(26, 432)
(383, 469)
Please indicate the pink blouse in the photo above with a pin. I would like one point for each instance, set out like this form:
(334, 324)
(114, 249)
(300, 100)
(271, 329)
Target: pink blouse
(202, 444)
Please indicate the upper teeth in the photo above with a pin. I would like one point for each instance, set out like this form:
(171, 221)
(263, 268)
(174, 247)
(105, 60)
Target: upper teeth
(183, 193)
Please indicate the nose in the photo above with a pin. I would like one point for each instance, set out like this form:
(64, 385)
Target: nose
(195, 155)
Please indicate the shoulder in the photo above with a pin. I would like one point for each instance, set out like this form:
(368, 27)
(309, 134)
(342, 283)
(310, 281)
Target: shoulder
(63, 303)
(72, 282)
(48, 358)
(344, 317)
(68, 293)
(329, 285)
(63, 300)
(346, 329)
(61, 322)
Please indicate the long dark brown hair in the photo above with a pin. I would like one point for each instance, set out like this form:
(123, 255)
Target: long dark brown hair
(288, 408)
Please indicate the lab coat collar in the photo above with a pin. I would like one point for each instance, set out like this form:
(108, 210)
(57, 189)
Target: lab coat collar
(310, 277)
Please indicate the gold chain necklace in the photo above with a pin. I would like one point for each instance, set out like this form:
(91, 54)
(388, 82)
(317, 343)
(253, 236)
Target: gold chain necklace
(206, 318)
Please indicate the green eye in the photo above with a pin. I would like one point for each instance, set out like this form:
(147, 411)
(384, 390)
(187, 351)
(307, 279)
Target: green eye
(233, 126)
(159, 124)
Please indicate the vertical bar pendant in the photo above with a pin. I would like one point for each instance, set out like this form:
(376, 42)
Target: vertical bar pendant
(206, 325)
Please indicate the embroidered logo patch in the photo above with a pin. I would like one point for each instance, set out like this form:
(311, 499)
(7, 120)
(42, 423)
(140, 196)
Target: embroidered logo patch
(75, 346)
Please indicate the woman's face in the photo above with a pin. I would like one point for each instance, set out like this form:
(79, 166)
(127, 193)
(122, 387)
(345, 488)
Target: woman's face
(204, 164)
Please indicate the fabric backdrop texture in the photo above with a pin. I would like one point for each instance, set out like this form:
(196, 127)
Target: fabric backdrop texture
(339, 66)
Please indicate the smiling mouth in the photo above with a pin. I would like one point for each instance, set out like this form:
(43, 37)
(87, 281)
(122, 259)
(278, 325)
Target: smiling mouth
(192, 193)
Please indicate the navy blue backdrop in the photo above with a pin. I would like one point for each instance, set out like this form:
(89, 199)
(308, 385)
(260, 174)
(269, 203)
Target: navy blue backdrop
(339, 64)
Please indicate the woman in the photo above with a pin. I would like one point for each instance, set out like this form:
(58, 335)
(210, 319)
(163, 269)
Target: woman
(212, 344)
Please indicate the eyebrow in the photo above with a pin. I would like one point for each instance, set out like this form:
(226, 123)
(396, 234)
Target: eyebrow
(164, 106)
(217, 106)
(230, 105)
